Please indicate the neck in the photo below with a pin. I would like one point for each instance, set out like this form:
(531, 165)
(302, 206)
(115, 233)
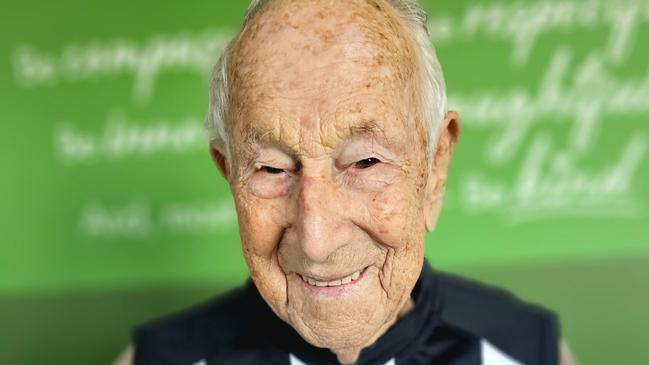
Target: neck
(349, 356)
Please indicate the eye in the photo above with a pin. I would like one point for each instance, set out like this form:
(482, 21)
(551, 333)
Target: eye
(271, 170)
(366, 163)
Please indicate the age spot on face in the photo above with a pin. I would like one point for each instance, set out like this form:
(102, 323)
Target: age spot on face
(306, 122)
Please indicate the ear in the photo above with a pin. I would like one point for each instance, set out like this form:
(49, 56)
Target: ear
(449, 133)
(218, 155)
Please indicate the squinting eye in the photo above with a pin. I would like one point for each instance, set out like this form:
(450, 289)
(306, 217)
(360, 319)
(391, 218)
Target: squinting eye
(271, 170)
(366, 163)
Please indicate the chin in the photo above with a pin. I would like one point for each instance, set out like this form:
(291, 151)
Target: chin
(353, 334)
(350, 318)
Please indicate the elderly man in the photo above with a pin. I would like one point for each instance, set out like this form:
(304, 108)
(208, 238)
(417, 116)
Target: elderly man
(328, 119)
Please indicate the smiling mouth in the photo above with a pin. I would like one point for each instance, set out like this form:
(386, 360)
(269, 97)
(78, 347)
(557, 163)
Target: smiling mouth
(338, 282)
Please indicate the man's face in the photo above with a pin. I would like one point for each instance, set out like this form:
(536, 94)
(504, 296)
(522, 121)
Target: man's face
(329, 169)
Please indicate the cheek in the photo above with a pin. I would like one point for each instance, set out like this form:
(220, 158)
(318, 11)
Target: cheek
(396, 215)
(260, 234)
(259, 226)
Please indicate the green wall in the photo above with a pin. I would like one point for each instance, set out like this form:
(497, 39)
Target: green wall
(108, 194)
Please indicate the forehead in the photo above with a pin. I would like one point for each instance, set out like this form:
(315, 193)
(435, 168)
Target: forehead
(337, 62)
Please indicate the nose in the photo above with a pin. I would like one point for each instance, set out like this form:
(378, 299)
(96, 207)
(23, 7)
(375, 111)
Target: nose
(320, 218)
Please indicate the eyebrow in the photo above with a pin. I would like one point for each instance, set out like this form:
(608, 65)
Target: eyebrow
(367, 128)
(363, 128)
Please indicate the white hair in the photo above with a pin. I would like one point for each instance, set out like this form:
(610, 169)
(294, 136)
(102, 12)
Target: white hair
(433, 93)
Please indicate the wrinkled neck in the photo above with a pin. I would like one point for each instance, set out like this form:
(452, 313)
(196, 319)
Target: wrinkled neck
(349, 356)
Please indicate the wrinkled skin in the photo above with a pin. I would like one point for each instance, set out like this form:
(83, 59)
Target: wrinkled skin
(329, 169)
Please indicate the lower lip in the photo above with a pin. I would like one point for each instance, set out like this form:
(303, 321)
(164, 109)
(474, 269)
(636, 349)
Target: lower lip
(333, 291)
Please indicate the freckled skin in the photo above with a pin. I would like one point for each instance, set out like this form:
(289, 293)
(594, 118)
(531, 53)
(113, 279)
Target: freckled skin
(303, 75)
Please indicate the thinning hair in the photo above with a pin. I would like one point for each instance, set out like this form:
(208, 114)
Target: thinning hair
(433, 93)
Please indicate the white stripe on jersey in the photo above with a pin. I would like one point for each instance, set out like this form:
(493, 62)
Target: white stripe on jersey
(294, 360)
(491, 355)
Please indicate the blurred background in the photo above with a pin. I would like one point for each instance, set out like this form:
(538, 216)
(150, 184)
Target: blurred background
(112, 213)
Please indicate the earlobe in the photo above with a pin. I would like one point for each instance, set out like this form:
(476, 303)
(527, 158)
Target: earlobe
(219, 157)
(433, 201)
(449, 133)
(431, 216)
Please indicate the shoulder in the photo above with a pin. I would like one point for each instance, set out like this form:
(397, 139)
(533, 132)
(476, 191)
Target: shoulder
(194, 333)
(526, 331)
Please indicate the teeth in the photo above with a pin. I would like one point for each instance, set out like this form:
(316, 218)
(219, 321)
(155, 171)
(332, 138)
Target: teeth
(346, 280)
